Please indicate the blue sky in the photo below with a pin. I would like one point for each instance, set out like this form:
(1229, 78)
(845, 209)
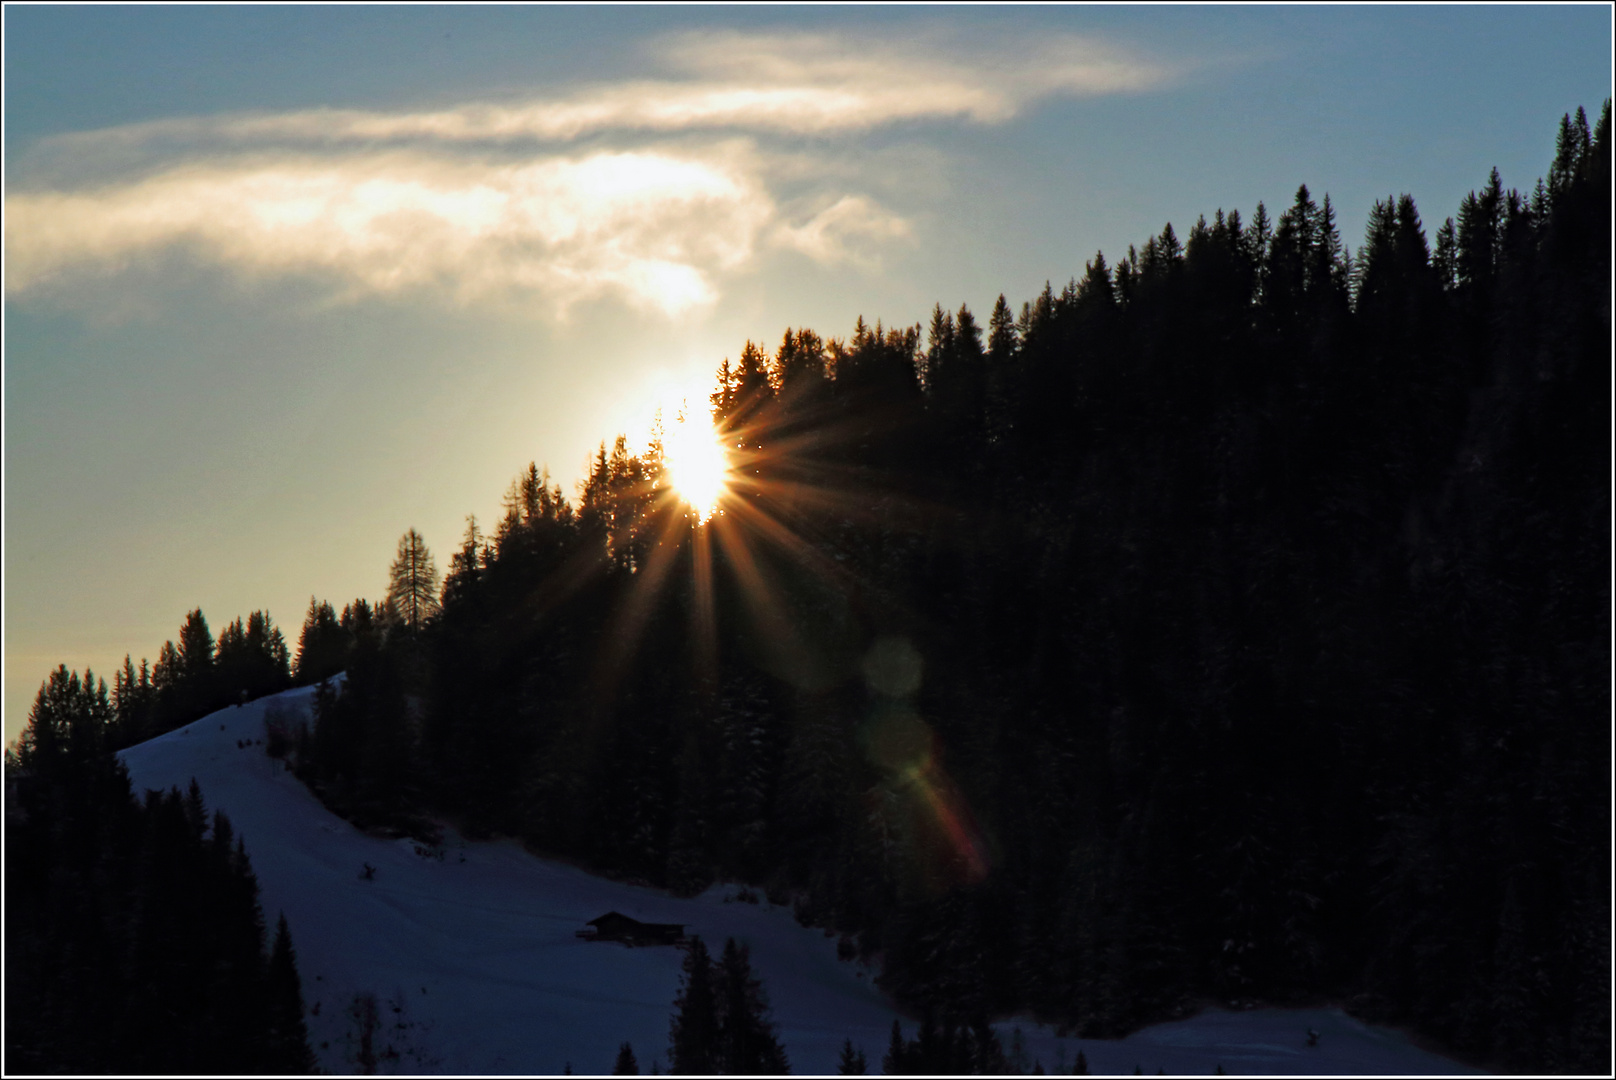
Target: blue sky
(283, 282)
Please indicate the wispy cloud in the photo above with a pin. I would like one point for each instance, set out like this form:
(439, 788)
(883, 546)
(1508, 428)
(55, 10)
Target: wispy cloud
(483, 198)
(649, 225)
(850, 230)
(796, 84)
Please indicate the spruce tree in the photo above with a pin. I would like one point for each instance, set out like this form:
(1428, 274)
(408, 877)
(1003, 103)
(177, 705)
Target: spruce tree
(195, 690)
(1003, 345)
(195, 647)
(851, 1062)
(271, 662)
(232, 661)
(896, 1060)
(693, 1035)
(322, 647)
(930, 1055)
(465, 566)
(747, 1040)
(625, 1064)
(288, 1035)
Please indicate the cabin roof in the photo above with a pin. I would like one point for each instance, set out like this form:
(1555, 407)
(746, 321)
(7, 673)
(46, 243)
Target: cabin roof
(616, 918)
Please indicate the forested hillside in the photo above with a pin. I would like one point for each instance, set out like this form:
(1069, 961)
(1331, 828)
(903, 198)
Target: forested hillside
(1230, 623)
(134, 938)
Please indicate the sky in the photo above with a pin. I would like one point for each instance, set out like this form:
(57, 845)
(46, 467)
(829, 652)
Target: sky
(282, 283)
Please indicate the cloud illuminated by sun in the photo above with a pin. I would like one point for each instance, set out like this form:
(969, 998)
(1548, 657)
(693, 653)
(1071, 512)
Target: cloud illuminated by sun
(651, 226)
(484, 200)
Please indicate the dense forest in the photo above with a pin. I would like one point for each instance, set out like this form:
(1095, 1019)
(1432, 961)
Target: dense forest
(1230, 624)
(134, 938)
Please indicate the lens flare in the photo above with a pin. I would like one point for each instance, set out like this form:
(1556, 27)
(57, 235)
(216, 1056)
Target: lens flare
(697, 465)
(949, 844)
(765, 475)
(951, 817)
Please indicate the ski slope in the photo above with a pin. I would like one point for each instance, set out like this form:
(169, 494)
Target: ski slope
(471, 956)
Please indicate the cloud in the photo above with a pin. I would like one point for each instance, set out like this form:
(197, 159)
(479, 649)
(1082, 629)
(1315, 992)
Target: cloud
(648, 225)
(482, 200)
(798, 84)
(851, 230)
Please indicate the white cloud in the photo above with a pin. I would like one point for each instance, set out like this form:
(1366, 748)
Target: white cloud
(851, 230)
(650, 226)
(799, 84)
(482, 199)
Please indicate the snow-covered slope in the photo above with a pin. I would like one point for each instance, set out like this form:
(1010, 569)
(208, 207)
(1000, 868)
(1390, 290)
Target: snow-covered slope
(471, 956)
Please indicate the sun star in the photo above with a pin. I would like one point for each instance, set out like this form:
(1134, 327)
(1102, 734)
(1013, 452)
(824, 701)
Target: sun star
(697, 465)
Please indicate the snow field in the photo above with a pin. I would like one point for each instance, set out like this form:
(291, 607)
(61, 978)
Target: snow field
(470, 951)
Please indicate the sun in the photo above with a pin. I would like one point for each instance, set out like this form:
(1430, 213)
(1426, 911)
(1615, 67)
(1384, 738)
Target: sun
(697, 465)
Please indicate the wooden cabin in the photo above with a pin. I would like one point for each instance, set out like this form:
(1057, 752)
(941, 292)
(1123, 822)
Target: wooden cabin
(613, 926)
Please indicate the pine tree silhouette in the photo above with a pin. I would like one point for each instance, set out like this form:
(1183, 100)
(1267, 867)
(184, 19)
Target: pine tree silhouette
(693, 1039)
(851, 1062)
(413, 582)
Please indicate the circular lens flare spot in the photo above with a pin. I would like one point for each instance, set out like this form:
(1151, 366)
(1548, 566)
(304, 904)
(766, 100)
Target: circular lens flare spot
(697, 465)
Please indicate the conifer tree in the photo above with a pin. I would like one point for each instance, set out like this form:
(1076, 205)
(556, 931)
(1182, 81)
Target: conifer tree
(968, 334)
(693, 1036)
(135, 943)
(231, 658)
(465, 566)
(1571, 151)
(1259, 239)
(1002, 335)
(131, 702)
(166, 682)
(752, 387)
(799, 372)
(748, 1043)
(322, 647)
(413, 582)
(625, 1064)
(895, 1062)
(1003, 343)
(195, 647)
(990, 1060)
(1446, 258)
(58, 710)
(962, 376)
(272, 667)
(722, 400)
(939, 346)
(196, 688)
(1095, 289)
(288, 1035)
(851, 1062)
